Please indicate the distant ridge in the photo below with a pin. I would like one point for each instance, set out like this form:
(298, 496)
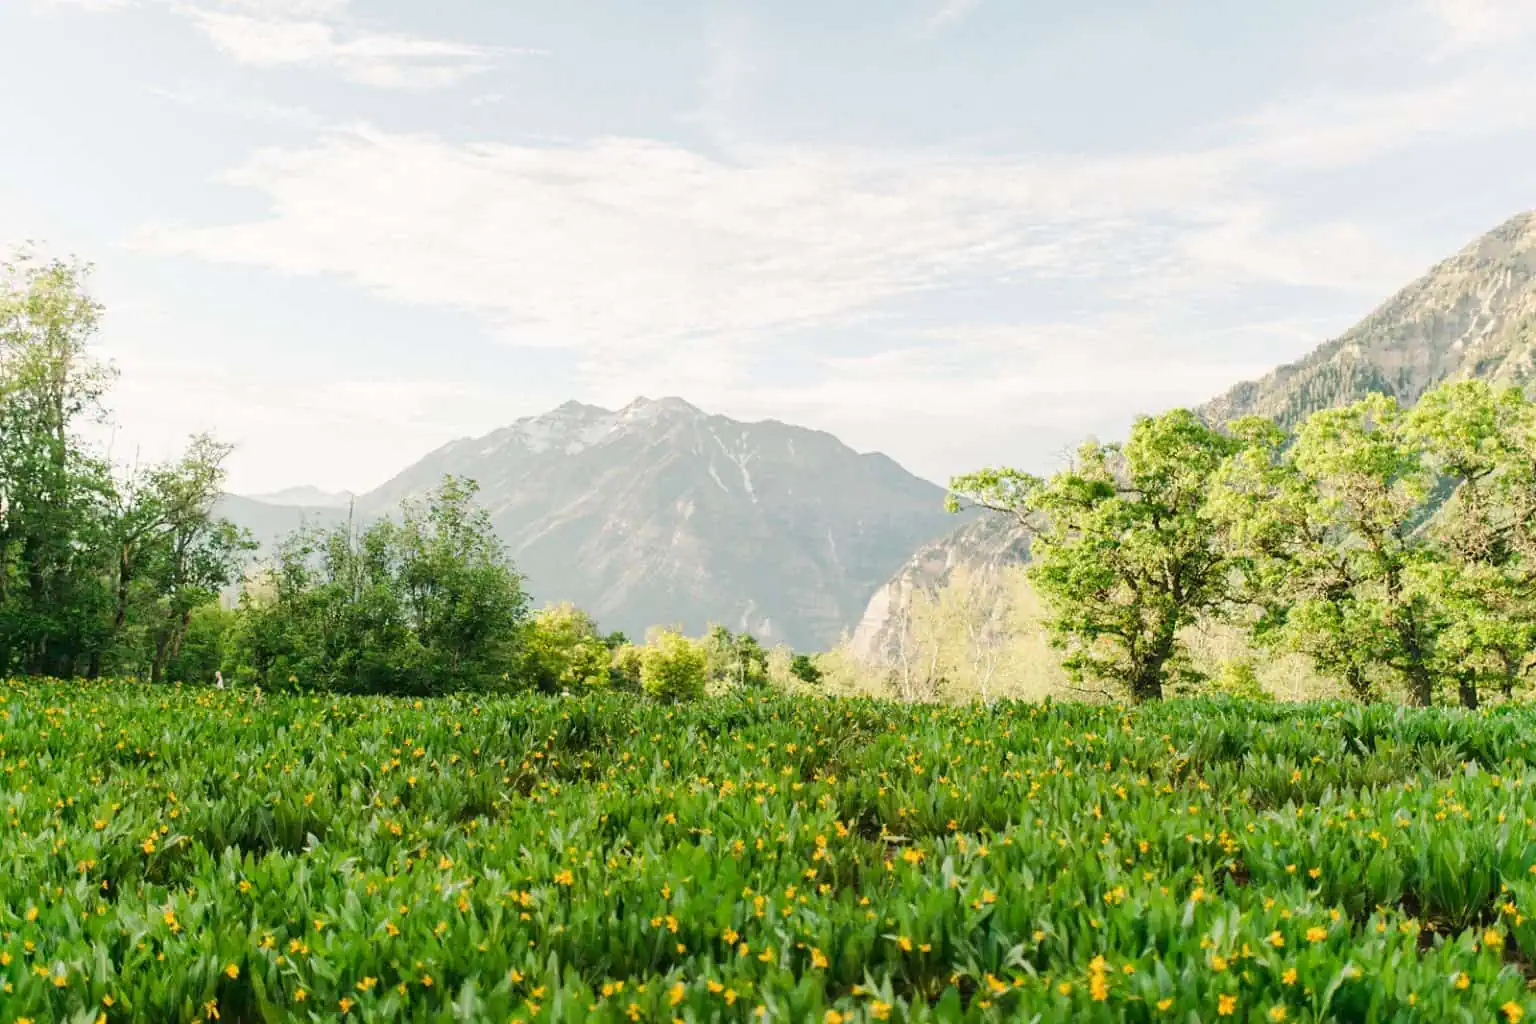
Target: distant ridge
(659, 513)
(309, 497)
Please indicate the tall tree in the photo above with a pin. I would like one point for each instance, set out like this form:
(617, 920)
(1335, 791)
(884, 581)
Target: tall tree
(1125, 553)
(1476, 439)
(53, 490)
(735, 659)
(1327, 529)
(168, 549)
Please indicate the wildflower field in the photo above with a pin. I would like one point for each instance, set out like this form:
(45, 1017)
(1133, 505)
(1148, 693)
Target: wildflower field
(171, 854)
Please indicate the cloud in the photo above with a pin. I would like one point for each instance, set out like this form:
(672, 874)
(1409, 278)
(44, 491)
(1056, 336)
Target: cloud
(383, 60)
(320, 34)
(628, 247)
(1481, 24)
(949, 13)
(670, 269)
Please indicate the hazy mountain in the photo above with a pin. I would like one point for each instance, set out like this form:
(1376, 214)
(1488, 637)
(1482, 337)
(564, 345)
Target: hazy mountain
(308, 497)
(1472, 315)
(658, 513)
(270, 523)
(984, 542)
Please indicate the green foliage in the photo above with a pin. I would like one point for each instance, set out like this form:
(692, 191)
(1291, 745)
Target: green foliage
(1239, 678)
(1482, 444)
(565, 652)
(204, 645)
(624, 668)
(804, 668)
(426, 605)
(1125, 555)
(54, 491)
(602, 858)
(673, 667)
(1356, 558)
(735, 659)
(96, 571)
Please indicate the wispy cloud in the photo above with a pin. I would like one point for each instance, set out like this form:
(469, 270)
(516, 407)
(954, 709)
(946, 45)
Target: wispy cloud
(630, 246)
(321, 34)
(1479, 24)
(383, 60)
(948, 13)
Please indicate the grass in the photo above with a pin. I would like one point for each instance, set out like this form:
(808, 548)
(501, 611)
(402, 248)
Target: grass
(178, 854)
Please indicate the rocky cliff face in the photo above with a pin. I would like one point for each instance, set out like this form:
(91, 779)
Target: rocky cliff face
(1473, 315)
(988, 541)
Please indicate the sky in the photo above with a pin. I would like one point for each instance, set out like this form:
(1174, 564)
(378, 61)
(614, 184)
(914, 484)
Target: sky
(340, 233)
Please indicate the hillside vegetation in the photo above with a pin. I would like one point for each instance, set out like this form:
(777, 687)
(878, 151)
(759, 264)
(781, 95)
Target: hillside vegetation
(183, 854)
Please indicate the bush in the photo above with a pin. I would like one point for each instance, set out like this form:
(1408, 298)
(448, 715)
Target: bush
(426, 605)
(673, 667)
(202, 646)
(564, 651)
(1239, 678)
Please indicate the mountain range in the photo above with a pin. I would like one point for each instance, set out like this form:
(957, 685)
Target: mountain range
(659, 513)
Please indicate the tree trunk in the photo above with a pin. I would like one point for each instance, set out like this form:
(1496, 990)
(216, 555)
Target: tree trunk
(162, 655)
(120, 612)
(181, 632)
(1511, 676)
(1421, 686)
(1147, 684)
(1466, 686)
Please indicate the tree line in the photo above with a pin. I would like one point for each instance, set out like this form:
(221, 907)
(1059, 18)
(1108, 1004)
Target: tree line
(1394, 548)
(127, 570)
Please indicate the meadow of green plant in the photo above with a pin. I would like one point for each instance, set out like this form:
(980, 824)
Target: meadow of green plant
(178, 854)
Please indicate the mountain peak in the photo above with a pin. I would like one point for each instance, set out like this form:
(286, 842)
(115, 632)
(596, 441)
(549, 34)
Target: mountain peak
(305, 496)
(658, 512)
(644, 408)
(1473, 314)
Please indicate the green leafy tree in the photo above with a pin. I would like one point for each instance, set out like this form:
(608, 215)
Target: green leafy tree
(192, 555)
(54, 492)
(804, 668)
(426, 605)
(1325, 527)
(463, 601)
(735, 659)
(1483, 580)
(1124, 552)
(673, 667)
(1306, 588)
(625, 668)
(564, 651)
